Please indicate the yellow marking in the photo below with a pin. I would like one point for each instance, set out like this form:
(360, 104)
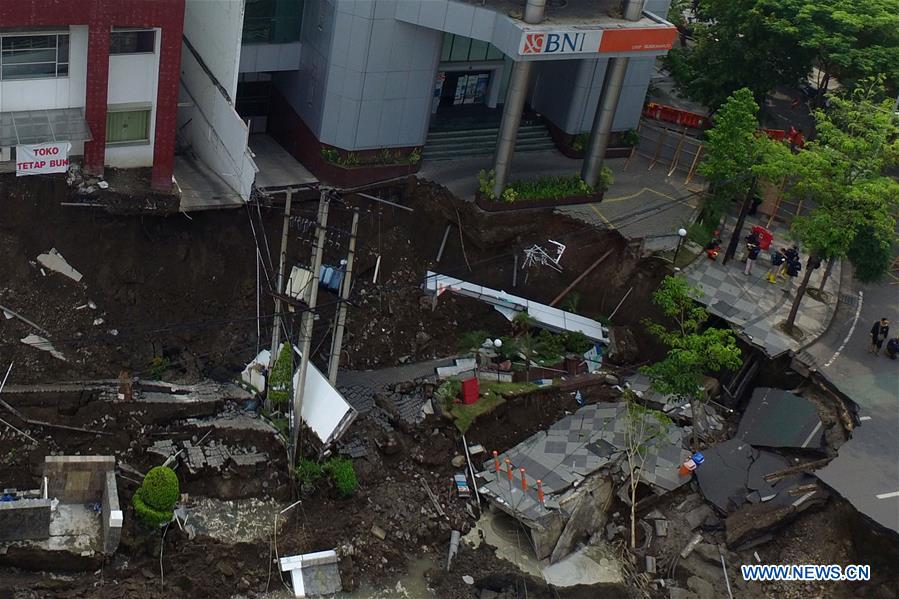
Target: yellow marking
(602, 217)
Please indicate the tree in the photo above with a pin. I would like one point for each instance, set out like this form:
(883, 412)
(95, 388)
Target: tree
(760, 44)
(847, 39)
(736, 154)
(644, 426)
(841, 172)
(693, 348)
(733, 49)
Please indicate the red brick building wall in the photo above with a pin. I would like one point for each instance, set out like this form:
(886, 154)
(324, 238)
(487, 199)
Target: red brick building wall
(101, 16)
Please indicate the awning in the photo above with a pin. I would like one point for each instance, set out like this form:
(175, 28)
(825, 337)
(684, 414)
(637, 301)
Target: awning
(41, 126)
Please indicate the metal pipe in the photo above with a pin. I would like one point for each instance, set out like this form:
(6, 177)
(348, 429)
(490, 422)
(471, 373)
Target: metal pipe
(602, 121)
(508, 130)
(534, 11)
(608, 104)
(516, 96)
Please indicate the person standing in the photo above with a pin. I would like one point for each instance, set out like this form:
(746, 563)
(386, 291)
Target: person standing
(893, 348)
(793, 268)
(879, 332)
(752, 251)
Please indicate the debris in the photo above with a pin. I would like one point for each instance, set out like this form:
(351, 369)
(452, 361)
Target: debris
(509, 306)
(778, 418)
(468, 579)
(102, 184)
(698, 515)
(433, 497)
(661, 528)
(378, 532)
(54, 261)
(650, 564)
(453, 548)
(688, 549)
(313, 574)
(702, 588)
(462, 489)
(42, 344)
(8, 313)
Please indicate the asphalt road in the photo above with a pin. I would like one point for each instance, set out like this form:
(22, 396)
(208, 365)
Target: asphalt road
(866, 472)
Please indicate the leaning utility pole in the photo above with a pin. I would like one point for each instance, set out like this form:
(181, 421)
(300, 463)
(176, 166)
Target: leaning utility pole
(307, 321)
(282, 262)
(340, 321)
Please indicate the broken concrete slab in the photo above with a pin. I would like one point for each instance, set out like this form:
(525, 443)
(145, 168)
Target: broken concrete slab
(697, 516)
(313, 574)
(778, 418)
(54, 261)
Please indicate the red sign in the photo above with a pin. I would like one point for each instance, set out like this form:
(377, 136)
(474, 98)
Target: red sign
(638, 40)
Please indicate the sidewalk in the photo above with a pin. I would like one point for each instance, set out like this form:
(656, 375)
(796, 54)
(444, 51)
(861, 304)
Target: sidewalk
(756, 307)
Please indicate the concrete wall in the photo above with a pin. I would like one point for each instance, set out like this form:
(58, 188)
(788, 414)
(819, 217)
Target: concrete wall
(77, 479)
(257, 58)
(214, 28)
(58, 92)
(133, 80)
(24, 519)
(211, 126)
(377, 74)
(112, 515)
(574, 108)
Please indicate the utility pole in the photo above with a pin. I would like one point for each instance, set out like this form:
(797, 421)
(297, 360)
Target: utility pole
(307, 321)
(340, 322)
(282, 262)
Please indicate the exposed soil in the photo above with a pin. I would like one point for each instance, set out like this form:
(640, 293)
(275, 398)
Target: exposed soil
(182, 291)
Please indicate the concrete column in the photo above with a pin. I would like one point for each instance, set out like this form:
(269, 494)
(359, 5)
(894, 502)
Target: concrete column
(608, 104)
(167, 104)
(515, 99)
(96, 99)
(508, 129)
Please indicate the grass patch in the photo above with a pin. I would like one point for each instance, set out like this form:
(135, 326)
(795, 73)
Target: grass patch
(493, 394)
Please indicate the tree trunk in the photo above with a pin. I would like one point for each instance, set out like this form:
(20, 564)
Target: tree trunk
(794, 309)
(738, 228)
(826, 274)
(633, 511)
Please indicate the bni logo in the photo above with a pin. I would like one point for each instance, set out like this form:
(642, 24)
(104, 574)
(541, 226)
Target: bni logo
(533, 43)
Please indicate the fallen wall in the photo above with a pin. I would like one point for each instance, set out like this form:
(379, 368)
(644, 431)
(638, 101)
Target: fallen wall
(77, 479)
(25, 519)
(112, 515)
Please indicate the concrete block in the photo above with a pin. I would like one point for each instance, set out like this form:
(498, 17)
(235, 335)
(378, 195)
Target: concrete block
(482, 24)
(24, 519)
(459, 18)
(116, 519)
(433, 14)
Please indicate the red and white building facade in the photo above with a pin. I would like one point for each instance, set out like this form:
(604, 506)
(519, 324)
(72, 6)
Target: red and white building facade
(97, 78)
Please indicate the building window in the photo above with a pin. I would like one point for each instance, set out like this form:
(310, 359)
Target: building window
(132, 42)
(272, 21)
(457, 48)
(128, 126)
(34, 56)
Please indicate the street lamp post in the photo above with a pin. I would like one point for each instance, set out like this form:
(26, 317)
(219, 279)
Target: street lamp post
(681, 233)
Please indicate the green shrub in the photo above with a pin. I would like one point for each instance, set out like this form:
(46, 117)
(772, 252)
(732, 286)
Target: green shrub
(576, 342)
(486, 181)
(579, 143)
(550, 348)
(157, 495)
(447, 393)
(472, 340)
(571, 302)
(343, 475)
(415, 156)
(331, 155)
(280, 378)
(630, 137)
(309, 472)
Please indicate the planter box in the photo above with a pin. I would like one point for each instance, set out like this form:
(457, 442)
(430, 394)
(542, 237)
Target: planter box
(356, 176)
(611, 152)
(501, 206)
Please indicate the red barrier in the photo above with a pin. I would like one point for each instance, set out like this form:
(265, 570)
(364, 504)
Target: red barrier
(669, 114)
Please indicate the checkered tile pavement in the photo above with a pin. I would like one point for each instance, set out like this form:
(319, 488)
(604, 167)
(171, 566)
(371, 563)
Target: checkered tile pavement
(754, 306)
(560, 457)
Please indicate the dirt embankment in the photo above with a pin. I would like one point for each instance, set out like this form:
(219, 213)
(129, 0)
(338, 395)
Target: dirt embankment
(176, 296)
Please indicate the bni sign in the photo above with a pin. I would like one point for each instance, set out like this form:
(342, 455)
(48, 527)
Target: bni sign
(597, 41)
(42, 159)
(560, 42)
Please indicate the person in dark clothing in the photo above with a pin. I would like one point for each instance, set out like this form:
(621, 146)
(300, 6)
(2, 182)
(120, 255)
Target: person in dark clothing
(879, 333)
(752, 252)
(713, 247)
(893, 348)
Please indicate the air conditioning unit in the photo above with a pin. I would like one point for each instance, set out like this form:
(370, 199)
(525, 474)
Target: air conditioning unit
(5, 154)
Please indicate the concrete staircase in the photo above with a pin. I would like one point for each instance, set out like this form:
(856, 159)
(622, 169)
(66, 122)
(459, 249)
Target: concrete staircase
(445, 145)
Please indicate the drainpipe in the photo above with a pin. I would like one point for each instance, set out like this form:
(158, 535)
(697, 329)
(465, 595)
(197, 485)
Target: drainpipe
(515, 98)
(608, 104)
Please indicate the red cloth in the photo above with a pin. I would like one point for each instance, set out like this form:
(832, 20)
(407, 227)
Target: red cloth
(765, 236)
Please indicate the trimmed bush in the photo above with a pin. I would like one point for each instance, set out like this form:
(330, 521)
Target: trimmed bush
(343, 475)
(156, 498)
